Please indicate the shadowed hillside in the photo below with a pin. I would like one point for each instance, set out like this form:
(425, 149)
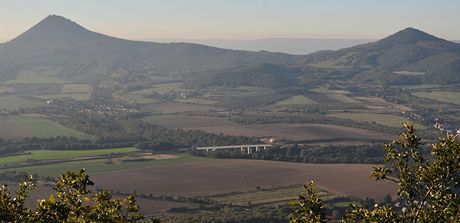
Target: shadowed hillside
(79, 55)
(83, 55)
(409, 56)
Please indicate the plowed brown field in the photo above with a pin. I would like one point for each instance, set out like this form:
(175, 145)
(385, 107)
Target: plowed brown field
(221, 176)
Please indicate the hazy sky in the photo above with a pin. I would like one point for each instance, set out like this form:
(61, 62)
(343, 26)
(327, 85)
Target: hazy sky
(239, 19)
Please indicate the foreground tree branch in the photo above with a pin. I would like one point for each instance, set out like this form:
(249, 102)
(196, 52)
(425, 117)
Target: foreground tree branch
(428, 187)
(72, 201)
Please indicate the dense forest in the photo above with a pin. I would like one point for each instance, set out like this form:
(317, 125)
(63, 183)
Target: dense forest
(264, 75)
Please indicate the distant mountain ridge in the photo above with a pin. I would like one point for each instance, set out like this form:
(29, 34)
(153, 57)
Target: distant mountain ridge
(408, 50)
(87, 56)
(297, 46)
(54, 30)
(80, 55)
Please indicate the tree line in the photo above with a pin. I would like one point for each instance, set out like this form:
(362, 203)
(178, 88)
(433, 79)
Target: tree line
(116, 131)
(367, 153)
(428, 186)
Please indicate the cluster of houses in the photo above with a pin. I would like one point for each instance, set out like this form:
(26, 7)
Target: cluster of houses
(74, 105)
(172, 95)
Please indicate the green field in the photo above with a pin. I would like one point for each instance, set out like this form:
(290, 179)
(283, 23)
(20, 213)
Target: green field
(61, 154)
(343, 98)
(76, 96)
(326, 90)
(252, 88)
(76, 88)
(139, 99)
(4, 89)
(161, 78)
(197, 101)
(339, 95)
(296, 100)
(382, 119)
(44, 128)
(161, 88)
(100, 165)
(420, 86)
(80, 92)
(158, 118)
(261, 196)
(141, 96)
(441, 96)
(408, 73)
(16, 102)
(33, 76)
(267, 196)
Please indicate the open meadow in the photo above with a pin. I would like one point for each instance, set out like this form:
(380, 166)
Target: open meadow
(15, 102)
(37, 75)
(296, 100)
(34, 155)
(382, 119)
(27, 126)
(262, 195)
(74, 91)
(441, 96)
(102, 164)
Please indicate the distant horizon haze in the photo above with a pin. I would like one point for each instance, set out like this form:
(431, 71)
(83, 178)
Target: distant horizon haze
(239, 19)
(297, 46)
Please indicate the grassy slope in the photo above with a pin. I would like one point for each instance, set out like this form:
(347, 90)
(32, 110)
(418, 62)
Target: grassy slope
(44, 128)
(101, 165)
(442, 96)
(161, 88)
(15, 102)
(262, 196)
(296, 100)
(80, 92)
(382, 119)
(343, 98)
(76, 96)
(34, 77)
(76, 88)
(62, 154)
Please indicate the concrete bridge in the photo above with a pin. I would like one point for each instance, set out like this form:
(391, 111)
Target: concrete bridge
(244, 148)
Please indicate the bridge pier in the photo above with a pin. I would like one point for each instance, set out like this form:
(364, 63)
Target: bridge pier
(248, 149)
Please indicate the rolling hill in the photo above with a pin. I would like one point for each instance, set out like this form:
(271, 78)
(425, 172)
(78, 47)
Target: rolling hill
(409, 55)
(85, 56)
(70, 53)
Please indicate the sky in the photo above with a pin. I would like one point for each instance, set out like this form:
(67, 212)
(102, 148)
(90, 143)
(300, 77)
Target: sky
(239, 19)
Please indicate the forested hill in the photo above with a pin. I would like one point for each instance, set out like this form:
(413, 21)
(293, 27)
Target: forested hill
(408, 54)
(263, 75)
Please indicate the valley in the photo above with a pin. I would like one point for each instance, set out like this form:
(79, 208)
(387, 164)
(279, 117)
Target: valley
(132, 113)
